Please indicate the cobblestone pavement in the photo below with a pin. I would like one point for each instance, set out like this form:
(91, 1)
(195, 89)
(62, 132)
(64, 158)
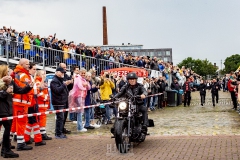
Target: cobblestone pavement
(194, 132)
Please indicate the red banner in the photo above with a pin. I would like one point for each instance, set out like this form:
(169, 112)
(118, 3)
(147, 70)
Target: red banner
(125, 70)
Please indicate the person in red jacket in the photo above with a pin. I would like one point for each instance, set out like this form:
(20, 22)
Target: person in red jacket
(232, 84)
(43, 102)
(187, 92)
(33, 123)
(21, 102)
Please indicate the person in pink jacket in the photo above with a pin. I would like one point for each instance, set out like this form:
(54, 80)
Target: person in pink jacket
(77, 97)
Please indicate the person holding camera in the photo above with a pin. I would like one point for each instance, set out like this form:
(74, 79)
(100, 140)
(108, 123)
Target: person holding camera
(232, 84)
(106, 86)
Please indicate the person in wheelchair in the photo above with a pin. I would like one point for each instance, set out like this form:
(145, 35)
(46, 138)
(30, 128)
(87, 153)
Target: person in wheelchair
(136, 89)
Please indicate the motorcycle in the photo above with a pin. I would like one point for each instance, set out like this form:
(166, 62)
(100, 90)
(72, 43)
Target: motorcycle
(128, 124)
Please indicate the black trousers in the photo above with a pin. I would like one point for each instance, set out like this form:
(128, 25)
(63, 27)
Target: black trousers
(187, 98)
(65, 115)
(33, 119)
(234, 99)
(6, 135)
(213, 97)
(202, 98)
(59, 120)
(160, 100)
(143, 110)
(148, 101)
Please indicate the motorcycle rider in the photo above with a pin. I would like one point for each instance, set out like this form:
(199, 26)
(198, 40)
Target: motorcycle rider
(136, 89)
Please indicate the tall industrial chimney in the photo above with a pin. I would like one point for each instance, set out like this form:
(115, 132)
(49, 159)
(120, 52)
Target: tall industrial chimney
(105, 36)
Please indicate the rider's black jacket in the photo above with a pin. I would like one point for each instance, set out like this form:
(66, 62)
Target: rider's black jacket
(135, 90)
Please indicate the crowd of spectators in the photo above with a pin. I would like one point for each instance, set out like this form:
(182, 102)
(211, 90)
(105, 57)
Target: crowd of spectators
(91, 56)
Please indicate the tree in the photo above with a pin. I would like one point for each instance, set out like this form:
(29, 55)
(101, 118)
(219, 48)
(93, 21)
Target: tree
(201, 67)
(232, 63)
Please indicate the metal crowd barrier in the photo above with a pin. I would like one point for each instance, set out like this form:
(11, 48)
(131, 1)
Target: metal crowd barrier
(50, 58)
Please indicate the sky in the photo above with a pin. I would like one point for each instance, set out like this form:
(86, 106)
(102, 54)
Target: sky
(201, 29)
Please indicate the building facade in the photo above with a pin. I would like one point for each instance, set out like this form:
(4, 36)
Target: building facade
(137, 50)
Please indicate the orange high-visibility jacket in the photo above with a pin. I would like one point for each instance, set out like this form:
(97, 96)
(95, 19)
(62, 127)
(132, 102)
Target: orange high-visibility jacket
(42, 94)
(22, 78)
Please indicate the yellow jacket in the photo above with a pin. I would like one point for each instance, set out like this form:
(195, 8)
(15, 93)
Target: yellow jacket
(26, 41)
(106, 89)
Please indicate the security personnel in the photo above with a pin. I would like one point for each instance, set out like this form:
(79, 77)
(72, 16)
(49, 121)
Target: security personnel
(21, 102)
(43, 102)
(136, 89)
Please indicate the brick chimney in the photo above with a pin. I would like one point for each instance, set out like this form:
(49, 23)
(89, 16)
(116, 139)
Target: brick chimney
(105, 36)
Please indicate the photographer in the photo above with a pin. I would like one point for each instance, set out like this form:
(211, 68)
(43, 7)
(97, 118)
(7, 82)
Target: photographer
(232, 84)
(106, 86)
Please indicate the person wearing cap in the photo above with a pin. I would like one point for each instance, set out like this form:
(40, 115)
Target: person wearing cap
(59, 93)
(69, 80)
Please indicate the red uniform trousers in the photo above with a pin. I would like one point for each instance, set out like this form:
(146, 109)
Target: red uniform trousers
(43, 120)
(32, 125)
(19, 124)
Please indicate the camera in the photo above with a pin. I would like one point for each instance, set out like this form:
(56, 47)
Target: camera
(107, 75)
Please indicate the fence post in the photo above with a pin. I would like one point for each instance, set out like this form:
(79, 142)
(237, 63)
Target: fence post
(43, 58)
(80, 61)
(6, 50)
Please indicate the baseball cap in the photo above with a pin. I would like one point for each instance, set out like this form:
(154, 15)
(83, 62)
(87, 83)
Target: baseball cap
(60, 69)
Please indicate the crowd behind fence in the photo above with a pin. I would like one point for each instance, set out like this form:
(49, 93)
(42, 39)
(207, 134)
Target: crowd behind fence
(50, 51)
(48, 57)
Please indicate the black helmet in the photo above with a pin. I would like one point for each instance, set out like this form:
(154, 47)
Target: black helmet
(132, 75)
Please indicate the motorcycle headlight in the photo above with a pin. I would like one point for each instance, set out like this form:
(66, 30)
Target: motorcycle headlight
(122, 105)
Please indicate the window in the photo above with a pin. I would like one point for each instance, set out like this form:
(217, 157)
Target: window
(159, 53)
(152, 54)
(168, 53)
(165, 59)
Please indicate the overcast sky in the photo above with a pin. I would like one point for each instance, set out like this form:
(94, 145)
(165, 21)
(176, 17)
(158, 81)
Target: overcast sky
(192, 28)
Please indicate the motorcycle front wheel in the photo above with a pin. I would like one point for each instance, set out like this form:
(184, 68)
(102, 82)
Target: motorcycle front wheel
(121, 136)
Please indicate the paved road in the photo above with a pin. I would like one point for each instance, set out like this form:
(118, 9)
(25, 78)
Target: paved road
(193, 132)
